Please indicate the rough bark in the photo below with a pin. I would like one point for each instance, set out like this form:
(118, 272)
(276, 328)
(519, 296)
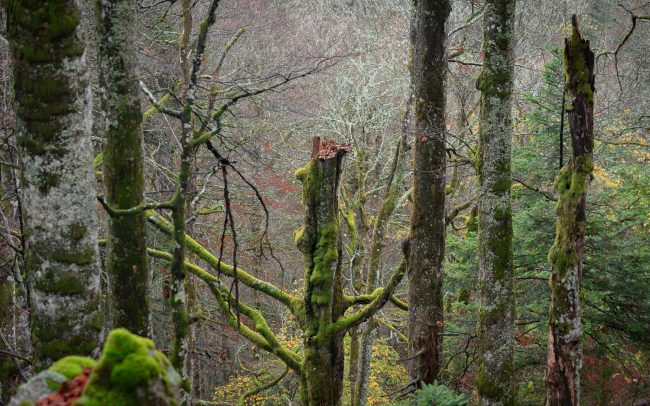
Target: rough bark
(53, 107)
(427, 234)
(121, 122)
(319, 241)
(564, 359)
(496, 330)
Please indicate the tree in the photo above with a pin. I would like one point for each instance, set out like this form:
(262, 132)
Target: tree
(53, 107)
(495, 376)
(321, 311)
(121, 122)
(427, 234)
(567, 253)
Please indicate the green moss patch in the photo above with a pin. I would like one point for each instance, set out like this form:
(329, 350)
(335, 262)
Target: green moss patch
(131, 372)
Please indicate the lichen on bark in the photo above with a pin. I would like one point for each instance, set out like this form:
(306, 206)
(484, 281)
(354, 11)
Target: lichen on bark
(495, 381)
(53, 106)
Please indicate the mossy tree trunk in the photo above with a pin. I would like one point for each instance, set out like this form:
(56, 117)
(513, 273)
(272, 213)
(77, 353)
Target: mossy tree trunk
(564, 358)
(319, 241)
(427, 234)
(121, 122)
(9, 374)
(53, 106)
(496, 330)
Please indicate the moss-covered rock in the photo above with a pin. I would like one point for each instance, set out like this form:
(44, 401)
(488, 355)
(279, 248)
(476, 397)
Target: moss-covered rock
(131, 372)
(72, 365)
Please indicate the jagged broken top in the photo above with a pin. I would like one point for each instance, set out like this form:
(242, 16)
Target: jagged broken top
(324, 150)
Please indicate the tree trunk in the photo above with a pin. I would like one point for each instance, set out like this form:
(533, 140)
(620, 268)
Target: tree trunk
(427, 235)
(565, 325)
(53, 106)
(319, 241)
(121, 121)
(495, 376)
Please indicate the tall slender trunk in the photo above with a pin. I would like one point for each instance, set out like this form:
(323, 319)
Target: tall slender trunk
(565, 325)
(53, 106)
(495, 377)
(319, 241)
(427, 235)
(121, 121)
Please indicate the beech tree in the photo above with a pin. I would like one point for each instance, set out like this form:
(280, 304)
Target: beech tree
(321, 311)
(121, 121)
(567, 253)
(427, 234)
(496, 330)
(53, 109)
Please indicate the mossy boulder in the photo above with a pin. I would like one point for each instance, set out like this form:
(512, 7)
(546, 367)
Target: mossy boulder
(130, 372)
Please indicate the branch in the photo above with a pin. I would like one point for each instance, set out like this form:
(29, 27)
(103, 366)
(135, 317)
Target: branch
(113, 212)
(535, 189)
(227, 47)
(634, 19)
(464, 63)
(399, 303)
(201, 41)
(349, 301)
(262, 336)
(456, 210)
(203, 138)
(381, 296)
(261, 388)
(293, 303)
(158, 106)
(394, 329)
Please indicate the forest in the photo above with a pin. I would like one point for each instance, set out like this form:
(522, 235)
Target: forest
(325, 202)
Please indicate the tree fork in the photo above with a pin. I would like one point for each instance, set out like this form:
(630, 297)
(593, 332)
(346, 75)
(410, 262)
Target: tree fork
(564, 359)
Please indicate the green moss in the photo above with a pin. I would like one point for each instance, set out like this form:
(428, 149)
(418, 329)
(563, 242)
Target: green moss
(77, 231)
(485, 387)
(61, 346)
(78, 257)
(72, 365)
(60, 284)
(128, 363)
(325, 257)
(502, 186)
(472, 220)
(576, 65)
(298, 238)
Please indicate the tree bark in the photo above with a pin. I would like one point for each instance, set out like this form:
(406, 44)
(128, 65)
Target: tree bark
(427, 235)
(319, 241)
(53, 106)
(495, 376)
(121, 122)
(564, 359)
